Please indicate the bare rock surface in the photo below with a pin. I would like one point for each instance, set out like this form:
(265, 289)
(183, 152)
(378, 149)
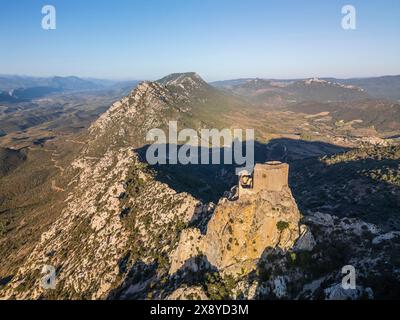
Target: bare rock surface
(240, 231)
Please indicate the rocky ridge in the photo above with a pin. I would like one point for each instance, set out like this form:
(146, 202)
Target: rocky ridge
(87, 242)
(239, 232)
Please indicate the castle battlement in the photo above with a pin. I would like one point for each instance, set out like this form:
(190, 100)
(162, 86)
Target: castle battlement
(269, 176)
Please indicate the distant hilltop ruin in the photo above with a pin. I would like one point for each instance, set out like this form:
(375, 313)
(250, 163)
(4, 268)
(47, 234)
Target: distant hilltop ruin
(269, 176)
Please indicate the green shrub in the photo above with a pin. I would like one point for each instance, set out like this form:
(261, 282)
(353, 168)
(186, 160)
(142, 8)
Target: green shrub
(219, 288)
(306, 136)
(282, 225)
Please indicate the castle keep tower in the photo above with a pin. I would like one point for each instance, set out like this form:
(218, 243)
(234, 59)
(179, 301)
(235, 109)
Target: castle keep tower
(269, 176)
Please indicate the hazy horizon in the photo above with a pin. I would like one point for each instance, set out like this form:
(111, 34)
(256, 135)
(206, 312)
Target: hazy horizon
(217, 80)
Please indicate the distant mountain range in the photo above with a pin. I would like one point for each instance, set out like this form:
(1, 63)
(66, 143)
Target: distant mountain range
(322, 90)
(387, 87)
(261, 91)
(22, 88)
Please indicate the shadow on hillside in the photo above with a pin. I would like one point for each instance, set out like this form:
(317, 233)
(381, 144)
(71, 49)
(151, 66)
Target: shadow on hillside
(341, 189)
(208, 182)
(275, 266)
(136, 281)
(348, 189)
(141, 277)
(4, 281)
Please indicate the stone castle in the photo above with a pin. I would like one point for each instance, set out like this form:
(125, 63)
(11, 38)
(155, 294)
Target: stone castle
(269, 176)
(239, 232)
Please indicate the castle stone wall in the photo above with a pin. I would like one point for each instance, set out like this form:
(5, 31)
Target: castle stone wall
(270, 176)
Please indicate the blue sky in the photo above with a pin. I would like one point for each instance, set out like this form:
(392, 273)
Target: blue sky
(219, 39)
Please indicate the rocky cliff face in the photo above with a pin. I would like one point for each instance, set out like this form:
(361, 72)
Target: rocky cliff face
(240, 231)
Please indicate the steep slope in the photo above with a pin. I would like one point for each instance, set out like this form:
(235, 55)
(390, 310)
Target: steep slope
(239, 232)
(116, 211)
(208, 105)
(87, 242)
(185, 82)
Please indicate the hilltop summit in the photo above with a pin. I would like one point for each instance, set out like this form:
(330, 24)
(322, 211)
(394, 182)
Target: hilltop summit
(181, 78)
(185, 83)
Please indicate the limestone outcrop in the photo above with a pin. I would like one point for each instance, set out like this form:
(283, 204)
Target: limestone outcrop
(191, 244)
(306, 241)
(239, 231)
